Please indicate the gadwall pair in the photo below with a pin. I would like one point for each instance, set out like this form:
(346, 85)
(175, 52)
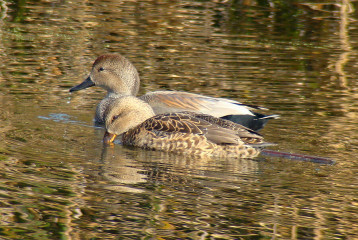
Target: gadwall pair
(119, 77)
(184, 132)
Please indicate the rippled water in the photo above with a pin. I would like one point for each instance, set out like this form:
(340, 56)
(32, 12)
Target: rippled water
(297, 58)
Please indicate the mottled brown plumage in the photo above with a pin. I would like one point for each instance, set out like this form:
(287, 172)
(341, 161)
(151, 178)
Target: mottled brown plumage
(184, 132)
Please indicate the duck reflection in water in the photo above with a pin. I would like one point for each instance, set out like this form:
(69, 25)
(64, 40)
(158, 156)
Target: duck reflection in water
(125, 169)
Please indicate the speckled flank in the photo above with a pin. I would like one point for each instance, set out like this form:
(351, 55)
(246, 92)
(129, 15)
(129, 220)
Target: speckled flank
(184, 133)
(186, 143)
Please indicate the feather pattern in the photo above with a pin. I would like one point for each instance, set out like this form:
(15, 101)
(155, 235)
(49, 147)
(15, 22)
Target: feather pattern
(184, 132)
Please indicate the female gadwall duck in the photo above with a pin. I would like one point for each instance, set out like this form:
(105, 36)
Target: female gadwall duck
(119, 77)
(182, 132)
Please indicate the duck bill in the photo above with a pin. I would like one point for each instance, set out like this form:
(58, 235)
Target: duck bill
(109, 138)
(85, 84)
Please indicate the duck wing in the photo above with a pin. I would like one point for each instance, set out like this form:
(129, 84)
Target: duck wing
(248, 135)
(176, 101)
(187, 123)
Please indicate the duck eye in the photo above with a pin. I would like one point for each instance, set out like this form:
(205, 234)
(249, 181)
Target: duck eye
(100, 69)
(115, 117)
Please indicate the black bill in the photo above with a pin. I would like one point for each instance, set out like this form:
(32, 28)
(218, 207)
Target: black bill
(85, 84)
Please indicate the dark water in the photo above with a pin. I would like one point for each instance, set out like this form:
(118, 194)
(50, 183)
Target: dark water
(297, 58)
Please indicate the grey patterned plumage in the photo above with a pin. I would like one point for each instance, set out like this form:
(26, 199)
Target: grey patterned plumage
(119, 77)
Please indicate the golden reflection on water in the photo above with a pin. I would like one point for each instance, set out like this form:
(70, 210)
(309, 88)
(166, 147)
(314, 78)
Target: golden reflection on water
(57, 181)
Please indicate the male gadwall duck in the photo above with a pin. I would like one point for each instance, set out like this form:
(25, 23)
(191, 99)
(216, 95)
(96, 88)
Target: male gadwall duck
(119, 77)
(181, 132)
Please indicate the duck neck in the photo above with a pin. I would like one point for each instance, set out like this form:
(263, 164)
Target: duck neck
(129, 84)
(135, 88)
(124, 88)
(111, 94)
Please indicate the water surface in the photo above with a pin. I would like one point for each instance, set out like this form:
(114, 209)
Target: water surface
(297, 58)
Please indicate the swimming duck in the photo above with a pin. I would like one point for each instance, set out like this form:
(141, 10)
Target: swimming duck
(119, 77)
(179, 132)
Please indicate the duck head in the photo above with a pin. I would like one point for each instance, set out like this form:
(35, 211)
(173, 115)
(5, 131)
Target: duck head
(114, 73)
(124, 114)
